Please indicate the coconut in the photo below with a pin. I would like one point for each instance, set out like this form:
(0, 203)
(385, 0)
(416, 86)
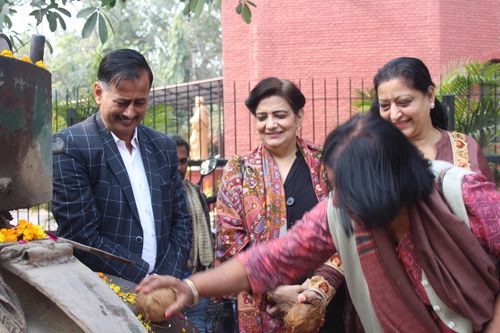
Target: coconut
(152, 305)
(305, 317)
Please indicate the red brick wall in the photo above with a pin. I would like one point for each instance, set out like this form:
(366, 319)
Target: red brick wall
(324, 43)
(469, 30)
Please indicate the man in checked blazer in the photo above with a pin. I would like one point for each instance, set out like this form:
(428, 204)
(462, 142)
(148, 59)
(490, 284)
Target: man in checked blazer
(116, 181)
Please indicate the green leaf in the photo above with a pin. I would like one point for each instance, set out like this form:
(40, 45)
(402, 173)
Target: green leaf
(38, 14)
(89, 26)
(51, 17)
(61, 20)
(49, 46)
(103, 30)
(7, 21)
(108, 3)
(238, 8)
(246, 14)
(198, 7)
(187, 9)
(109, 22)
(64, 11)
(85, 12)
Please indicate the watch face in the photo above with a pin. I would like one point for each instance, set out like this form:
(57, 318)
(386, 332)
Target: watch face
(5, 43)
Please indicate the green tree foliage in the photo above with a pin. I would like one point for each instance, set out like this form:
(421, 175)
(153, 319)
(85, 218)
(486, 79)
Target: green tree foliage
(363, 99)
(177, 49)
(477, 99)
(178, 66)
(96, 15)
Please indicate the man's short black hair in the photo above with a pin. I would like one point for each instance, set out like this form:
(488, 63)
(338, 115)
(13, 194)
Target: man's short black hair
(122, 65)
(180, 142)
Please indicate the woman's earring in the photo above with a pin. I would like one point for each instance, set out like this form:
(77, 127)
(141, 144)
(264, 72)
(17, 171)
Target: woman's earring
(432, 105)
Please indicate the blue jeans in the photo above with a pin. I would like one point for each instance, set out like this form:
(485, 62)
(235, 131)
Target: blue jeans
(197, 315)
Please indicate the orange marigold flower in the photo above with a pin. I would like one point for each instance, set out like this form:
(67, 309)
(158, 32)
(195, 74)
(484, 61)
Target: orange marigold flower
(26, 59)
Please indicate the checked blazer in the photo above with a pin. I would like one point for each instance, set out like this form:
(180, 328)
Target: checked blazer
(93, 202)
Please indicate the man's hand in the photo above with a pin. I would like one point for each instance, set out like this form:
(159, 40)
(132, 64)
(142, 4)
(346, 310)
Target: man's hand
(282, 299)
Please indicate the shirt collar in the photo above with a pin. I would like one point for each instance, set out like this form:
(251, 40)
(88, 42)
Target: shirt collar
(134, 142)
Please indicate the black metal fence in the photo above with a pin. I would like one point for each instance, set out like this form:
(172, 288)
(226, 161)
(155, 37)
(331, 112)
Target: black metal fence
(232, 130)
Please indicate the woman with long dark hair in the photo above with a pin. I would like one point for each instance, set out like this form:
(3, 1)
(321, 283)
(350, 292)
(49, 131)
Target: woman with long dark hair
(406, 96)
(411, 263)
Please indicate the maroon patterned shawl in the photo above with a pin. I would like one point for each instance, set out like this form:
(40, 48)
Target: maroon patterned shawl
(464, 277)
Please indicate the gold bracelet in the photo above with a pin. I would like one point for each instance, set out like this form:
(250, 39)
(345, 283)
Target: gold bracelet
(194, 291)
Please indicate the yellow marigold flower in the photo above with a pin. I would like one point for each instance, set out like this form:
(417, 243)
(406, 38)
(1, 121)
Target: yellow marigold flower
(26, 59)
(41, 64)
(9, 235)
(146, 325)
(7, 53)
(28, 234)
(2, 238)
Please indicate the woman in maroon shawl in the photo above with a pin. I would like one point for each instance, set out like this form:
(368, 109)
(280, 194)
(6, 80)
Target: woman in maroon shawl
(406, 97)
(414, 266)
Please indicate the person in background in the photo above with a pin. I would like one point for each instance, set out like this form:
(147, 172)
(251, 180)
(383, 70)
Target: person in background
(202, 252)
(411, 263)
(263, 193)
(116, 183)
(406, 96)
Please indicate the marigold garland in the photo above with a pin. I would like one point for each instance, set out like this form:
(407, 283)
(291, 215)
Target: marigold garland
(127, 297)
(9, 54)
(24, 231)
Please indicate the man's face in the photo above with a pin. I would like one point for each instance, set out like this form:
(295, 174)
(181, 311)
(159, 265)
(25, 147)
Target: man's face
(123, 107)
(182, 156)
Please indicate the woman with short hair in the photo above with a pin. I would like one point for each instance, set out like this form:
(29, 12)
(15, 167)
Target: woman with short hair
(263, 193)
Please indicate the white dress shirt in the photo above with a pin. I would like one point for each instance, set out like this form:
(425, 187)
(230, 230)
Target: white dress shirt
(140, 187)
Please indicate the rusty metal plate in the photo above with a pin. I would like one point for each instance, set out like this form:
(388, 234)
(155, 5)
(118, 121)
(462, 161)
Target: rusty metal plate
(25, 135)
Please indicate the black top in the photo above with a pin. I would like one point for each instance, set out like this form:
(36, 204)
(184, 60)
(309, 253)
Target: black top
(300, 198)
(299, 192)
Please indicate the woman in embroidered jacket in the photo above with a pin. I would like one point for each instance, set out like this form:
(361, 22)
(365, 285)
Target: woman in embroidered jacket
(264, 192)
(406, 98)
(414, 266)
